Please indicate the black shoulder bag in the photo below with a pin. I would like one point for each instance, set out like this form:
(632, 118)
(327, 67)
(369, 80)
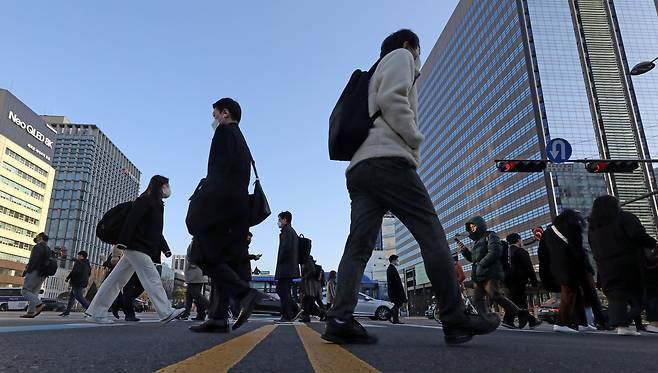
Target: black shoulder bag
(259, 208)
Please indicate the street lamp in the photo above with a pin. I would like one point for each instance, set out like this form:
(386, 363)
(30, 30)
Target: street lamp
(644, 67)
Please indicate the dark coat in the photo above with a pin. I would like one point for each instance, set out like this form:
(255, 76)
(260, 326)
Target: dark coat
(222, 199)
(521, 269)
(311, 284)
(561, 263)
(38, 258)
(287, 263)
(79, 275)
(142, 230)
(395, 289)
(618, 250)
(485, 254)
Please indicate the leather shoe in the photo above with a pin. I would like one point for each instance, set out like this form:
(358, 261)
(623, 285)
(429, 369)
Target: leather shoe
(132, 318)
(248, 303)
(347, 332)
(471, 325)
(211, 326)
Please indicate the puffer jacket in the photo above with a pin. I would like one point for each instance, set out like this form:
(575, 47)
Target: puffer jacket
(485, 254)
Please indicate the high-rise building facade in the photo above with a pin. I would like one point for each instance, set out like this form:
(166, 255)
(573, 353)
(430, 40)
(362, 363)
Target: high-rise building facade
(507, 76)
(178, 263)
(93, 176)
(384, 248)
(26, 180)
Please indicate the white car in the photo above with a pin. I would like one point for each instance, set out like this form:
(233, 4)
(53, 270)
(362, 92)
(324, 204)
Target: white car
(376, 309)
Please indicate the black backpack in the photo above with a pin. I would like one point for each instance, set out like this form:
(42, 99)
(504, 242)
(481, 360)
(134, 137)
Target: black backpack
(304, 249)
(350, 121)
(50, 266)
(110, 225)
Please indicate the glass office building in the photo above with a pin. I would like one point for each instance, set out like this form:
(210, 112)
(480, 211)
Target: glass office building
(93, 176)
(503, 79)
(26, 180)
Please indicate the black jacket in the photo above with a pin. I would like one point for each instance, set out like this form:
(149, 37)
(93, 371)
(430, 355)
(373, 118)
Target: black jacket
(485, 254)
(617, 246)
(521, 269)
(222, 199)
(395, 289)
(562, 263)
(142, 230)
(38, 258)
(287, 263)
(79, 275)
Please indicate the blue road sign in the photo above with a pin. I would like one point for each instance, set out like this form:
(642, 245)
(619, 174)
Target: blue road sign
(558, 150)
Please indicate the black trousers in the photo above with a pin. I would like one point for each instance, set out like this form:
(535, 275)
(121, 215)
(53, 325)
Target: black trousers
(226, 284)
(395, 312)
(283, 286)
(624, 309)
(377, 186)
(194, 294)
(591, 299)
(131, 290)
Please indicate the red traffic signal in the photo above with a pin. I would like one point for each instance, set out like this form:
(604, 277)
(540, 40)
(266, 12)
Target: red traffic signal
(521, 166)
(597, 167)
(538, 232)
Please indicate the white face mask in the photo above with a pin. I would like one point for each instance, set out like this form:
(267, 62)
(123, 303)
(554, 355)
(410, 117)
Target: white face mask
(418, 63)
(214, 125)
(166, 191)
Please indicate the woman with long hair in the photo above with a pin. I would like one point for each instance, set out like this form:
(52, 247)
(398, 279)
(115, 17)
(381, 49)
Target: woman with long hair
(617, 238)
(142, 240)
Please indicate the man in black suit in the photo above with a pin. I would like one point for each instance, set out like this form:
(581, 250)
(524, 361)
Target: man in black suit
(395, 289)
(521, 271)
(218, 217)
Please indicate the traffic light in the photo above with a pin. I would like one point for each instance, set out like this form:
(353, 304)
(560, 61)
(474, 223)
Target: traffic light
(521, 166)
(537, 232)
(597, 167)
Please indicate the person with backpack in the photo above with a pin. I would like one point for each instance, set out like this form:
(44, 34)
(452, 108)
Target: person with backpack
(287, 265)
(79, 279)
(488, 273)
(382, 177)
(219, 217)
(520, 273)
(141, 239)
(35, 274)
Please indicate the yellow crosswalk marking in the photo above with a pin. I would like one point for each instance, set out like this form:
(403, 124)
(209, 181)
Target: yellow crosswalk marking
(222, 357)
(326, 357)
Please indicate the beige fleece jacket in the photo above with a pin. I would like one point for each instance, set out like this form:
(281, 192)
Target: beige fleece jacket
(392, 90)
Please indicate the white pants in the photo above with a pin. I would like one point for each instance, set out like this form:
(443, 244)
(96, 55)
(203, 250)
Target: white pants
(132, 261)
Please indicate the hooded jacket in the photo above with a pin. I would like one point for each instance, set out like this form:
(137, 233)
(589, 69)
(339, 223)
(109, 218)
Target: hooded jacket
(485, 254)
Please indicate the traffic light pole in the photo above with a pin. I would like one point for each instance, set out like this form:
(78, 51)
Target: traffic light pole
(640, 198)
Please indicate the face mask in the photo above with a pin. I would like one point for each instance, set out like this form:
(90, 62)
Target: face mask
(418, 63)
(166, 192)
(214, 125)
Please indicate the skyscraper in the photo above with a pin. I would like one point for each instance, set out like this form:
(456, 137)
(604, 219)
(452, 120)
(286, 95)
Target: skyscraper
(503, 79)
(26, 180)
(93, 176)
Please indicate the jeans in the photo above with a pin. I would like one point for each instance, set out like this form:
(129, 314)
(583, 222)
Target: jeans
(491, 289)
(31, 287)
(283, 290)
(131, 262)
(76, 294)
(193, 294)
(379, 185)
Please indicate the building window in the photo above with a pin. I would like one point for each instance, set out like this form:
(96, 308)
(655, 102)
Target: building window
(20, 188)
(24, 161)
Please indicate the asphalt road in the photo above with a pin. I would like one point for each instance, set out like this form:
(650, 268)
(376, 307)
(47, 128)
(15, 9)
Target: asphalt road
(53, 344)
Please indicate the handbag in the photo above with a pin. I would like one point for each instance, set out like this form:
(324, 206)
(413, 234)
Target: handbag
(259, 208)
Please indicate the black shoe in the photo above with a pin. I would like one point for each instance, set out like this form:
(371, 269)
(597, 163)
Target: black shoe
(211, 326)
(132, 318)
(471, 325)
(509, 325)
(604, 327)
(184, 315)
(200, 317)
(248, 303)
(115, 313)
(396, 322)
(523, 316)
(305, 319)
(347, 332)
(534, 323)
(283, 320)
(64, 314)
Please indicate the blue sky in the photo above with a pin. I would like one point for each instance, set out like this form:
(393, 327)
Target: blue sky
(147, 73)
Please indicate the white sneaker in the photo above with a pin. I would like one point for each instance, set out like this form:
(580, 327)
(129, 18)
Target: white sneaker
(174, 315)
(652, 329)
(627, 331)
(563, 329)
(99, 320)
(588, 328)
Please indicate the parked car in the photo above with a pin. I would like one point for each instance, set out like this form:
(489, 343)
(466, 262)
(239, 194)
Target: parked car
(549, 311)
(366, 306)
(270, 305)
(11, 299)
(54, 305)
(140, 305)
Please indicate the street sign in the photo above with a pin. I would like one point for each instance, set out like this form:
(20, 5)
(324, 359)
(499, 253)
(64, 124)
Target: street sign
(558, 150)
(559, 167)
